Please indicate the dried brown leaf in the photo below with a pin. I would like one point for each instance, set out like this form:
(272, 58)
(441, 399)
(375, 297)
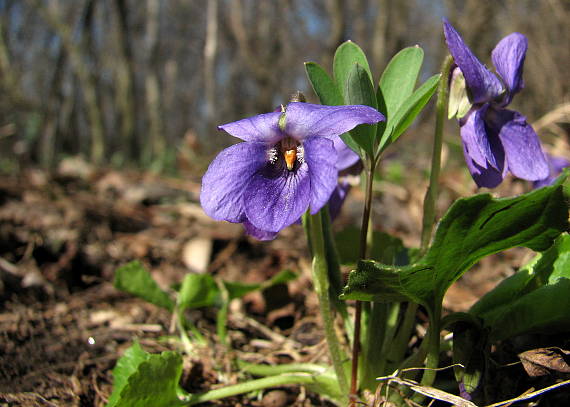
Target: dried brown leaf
(543, 361)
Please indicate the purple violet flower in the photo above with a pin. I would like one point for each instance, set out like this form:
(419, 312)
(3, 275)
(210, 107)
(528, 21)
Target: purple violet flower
(555, 165)
(287, 164)
(496, 140)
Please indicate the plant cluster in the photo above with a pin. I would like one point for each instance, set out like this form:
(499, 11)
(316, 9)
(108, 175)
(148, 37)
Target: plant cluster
(289, 169)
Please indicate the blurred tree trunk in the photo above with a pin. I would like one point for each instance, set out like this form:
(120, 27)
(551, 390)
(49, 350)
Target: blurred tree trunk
(87, 83)
(210, 51)
(379, 35)
(337, 17)
(156, 146)
(125, 74)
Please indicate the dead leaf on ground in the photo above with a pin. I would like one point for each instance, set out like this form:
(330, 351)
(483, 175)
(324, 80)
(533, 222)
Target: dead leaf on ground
(543, 361)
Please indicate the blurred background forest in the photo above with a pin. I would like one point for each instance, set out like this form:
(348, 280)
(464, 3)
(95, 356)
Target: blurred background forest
(144, 83)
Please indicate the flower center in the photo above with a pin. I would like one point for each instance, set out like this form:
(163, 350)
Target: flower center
(289, 150)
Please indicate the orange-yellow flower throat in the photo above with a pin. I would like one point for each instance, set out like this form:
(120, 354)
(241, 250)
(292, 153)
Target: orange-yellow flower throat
(288, 149)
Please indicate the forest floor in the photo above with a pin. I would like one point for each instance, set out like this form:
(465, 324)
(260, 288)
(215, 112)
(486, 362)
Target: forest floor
(63, 325)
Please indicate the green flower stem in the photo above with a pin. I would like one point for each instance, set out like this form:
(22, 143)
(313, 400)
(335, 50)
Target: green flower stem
(430, 199)
(335, 276)
(369, 174)
(182, 324)
(269, 370)
(321, 282)
(400, 343)
(252, 385)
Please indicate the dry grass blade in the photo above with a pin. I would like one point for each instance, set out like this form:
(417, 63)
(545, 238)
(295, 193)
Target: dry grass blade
(530, 395)
(429, 391)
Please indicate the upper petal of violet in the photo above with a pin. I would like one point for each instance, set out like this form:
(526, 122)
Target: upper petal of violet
(226, 179)
(303, 120)
(276, 197)
(262, 128)
(321, 158)
(482, 84)
(508, 58)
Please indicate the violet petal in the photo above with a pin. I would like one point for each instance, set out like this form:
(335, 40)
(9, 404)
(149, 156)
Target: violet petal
(262, 128)
(508, 57)
(275, 198)
(483, 177)
(226, 179)
(483, 84)
(475, 139)
(321, 158)
(304, 120)
(258, 233)
(523, 151)
(345, 156)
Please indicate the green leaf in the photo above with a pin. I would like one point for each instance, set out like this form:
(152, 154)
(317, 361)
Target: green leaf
(143, 379)
(471, 229)
(530, 287)
(198, 290)
(359, 91)
(238, 290)
(329, 94)
(134, 279)
(399, 79)
(385, 248)
(408, 111)
(545, 268)
(542, 310)
(469, 345)
(346, 55)
(323, 85)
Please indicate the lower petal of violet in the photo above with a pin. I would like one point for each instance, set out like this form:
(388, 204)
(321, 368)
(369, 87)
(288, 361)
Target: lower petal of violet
(523, 151)
(321, 159)
(227, 177)
(276, 197)
(484, 177)
(258, 233)
(476, 138)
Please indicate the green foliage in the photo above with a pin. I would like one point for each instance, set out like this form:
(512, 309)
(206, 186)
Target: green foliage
(134, 279)
(360, 91)
(471, 229)
(385, 248)
(399, 79)
(408, 111)
(201, 290)
(346, 56)
(352, 83)
(142, 379)
(534, 299)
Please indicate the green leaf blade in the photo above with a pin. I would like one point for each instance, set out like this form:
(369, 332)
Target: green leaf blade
(144, 379)
(134, 279)
(471, 229)
(408, 111)
(359, 91)
(329, 94)
(346, 55)
(399, 79)
(198, 290)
